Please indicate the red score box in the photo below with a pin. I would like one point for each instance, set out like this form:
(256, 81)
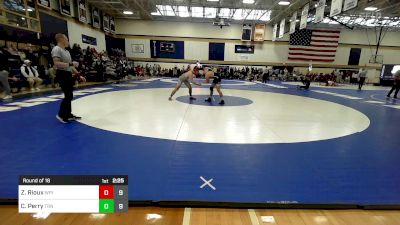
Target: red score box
(106, 192)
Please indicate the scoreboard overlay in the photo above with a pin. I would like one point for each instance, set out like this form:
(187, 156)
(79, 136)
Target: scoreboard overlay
(73, 194)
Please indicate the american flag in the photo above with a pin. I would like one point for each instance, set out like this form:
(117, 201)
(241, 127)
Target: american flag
(316, 45)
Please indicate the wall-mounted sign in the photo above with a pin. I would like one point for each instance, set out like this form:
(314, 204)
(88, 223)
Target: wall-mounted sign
(137, 48)
(96, 17)
(336, 7)
(44, 3)
(349, 4)
(320, 11)
(304, 16)
(65, 7)
(293, 22)
(106, 23)
(112, 25)
(274, 32)
(247, 32)
(82, 11)
(167, 47)
(89, 40)
(282, 28)
(247, 49)
(259, 32)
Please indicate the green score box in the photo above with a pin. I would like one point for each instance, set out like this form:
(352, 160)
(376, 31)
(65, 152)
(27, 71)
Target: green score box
(106, 206)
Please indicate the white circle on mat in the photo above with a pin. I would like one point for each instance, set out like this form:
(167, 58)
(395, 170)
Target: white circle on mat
(224, 82)
(272, 118)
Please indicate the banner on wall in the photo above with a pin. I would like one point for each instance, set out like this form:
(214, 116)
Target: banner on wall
(274, 32)
(293, 22)
(282, 28)
(259, 32)
(304, 16)
(336, 7)
(247, 32)
(106, 23)
(44, 3)
(244, 49)
(82, 11)
(89, 40)
(349, 4)
(216, 51)
(65, 7)
(319, 13)
(96, 17)
(112, 25)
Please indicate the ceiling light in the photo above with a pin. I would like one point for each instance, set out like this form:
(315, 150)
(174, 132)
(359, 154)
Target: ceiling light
(370, 9)
(156, 13)
(127, 12)
(30, 10)
(248, 1)
(284, 3)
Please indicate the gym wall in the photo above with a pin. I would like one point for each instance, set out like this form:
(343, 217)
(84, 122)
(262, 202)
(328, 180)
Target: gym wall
(198, 35)
(76, 29)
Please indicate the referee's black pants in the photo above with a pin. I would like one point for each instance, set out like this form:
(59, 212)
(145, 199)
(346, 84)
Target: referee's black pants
(66, 82)
(361, 82)
(396, 86)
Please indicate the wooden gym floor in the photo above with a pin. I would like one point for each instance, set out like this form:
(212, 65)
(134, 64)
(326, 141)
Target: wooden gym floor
(208, 216)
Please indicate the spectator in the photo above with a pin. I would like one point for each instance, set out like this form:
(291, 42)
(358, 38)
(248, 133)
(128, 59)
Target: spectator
(12, 50)
(31, 56)
(76, 52)
(100, 71)
(31, 75)
(88, 56)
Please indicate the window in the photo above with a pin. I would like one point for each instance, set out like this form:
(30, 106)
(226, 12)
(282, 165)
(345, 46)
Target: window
(182, 11)
(19, 14)
(225, 13)
(17, 6)
(210, 12)
(197, 11)
(17, 21)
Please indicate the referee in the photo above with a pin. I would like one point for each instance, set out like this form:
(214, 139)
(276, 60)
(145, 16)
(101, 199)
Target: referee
(66, 74)
(396, 83)
(361, 77)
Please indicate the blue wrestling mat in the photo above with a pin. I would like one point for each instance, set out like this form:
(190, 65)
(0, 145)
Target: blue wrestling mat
(269, 144)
